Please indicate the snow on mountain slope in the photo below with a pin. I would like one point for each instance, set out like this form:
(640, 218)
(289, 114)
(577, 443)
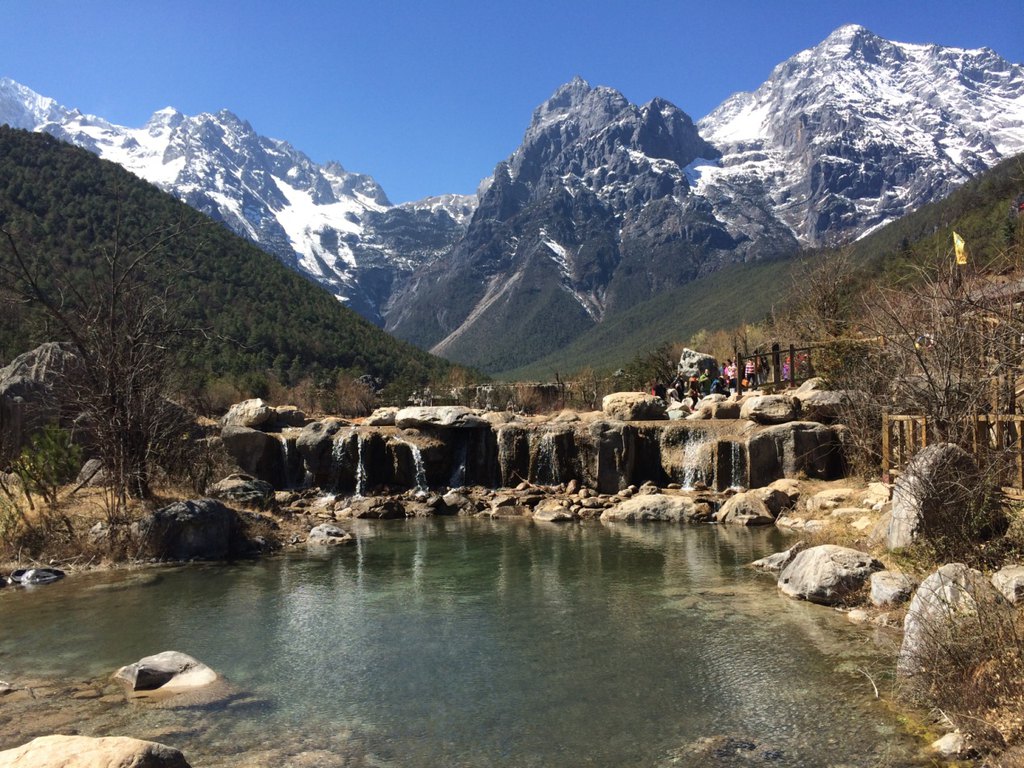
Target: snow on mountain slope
(314, 218)
(859, 130)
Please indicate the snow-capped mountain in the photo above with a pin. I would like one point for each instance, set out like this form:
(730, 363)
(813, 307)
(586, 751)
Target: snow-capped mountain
(313, 217)
(591, 214)
(858, 131)
(605, 203)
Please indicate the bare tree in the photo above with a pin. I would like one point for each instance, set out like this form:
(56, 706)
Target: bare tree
(120, 327)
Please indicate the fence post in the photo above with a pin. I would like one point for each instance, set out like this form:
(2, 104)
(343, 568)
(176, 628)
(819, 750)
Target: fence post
(792, 365)
(739, 370)
(776, 370)
(885, 447)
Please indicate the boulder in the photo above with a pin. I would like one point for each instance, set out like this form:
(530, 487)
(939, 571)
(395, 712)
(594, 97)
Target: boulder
(692, 362)
(252, 414)
(727, 409)
(827, 574)
(769, 409)
(91, 475)
(287, 416)
(256, 453)
(316, 445)
(459, 503)
(382, 417)
(34, 391)
(661, 508)
(937, 496)
(376, 508)
(552, 511)
(773, 499)
(745, 509)
(89, 752)
(170, 671)
(633, 406)
(446, 416)
(829, 499)
(327, 535)
(201, 529)
(775, 563)
(825, 406)
(945, 615)
(890, 588)
(1010, 582)
(243, 489)
(787, 450)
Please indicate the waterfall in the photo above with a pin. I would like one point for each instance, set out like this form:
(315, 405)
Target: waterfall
(286, 475)
(545, 466)
(360, 467)
(693, 471)
(737, 479)
(417, 460)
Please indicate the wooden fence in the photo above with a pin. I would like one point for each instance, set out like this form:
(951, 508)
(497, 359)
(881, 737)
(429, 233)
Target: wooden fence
(998, 438)
(778, 365)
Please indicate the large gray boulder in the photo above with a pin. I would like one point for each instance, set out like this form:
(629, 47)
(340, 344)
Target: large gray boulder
(316, 445)
(256, 453)
(827, 574)
(653, 508)
(552, 511)
(890, 588)
(89, 752)
(201, 529)
(167, 671)
(446, 416)
(243, 489)
(633, 406)
(1010, 583)
(954, 607)
(34, 391)
(253, 414)
(938, 495)
(769, 409)
(745, 509)
(816, 403)
(788, 450)
(327, 535)
(692, 362)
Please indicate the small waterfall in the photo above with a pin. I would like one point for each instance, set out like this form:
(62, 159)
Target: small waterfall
(737, 475)
(360, 467)
(417, 460)
(286, 464)
(693, 460)
(545, 464)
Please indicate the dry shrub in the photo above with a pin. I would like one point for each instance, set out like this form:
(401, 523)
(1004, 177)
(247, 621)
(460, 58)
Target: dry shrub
(971, 668)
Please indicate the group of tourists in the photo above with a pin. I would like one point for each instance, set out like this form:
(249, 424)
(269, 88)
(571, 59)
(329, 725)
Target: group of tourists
(714, 379)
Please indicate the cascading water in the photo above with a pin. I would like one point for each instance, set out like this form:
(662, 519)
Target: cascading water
(360, 467)
(286, 474)
(693, 455)
(544, 465)
(737, 478)
(417, 460)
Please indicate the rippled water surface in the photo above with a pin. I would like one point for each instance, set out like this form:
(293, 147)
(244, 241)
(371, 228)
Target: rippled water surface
(449, 642)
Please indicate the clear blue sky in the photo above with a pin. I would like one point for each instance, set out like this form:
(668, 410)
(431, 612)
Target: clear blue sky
(427, 95)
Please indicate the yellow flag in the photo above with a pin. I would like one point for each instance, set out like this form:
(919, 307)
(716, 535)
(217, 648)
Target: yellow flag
(961, 251)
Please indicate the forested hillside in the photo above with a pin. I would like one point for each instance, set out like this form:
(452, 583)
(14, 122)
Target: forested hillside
(253, 317)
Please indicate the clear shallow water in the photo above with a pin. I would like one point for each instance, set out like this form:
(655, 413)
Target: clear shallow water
(476, 643)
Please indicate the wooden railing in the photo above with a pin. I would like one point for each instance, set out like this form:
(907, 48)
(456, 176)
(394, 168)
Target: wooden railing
(780, 366)
(902, 437)
(998, 444)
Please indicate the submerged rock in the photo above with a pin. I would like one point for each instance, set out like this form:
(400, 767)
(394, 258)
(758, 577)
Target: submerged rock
(168, 671)
(32, 576)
